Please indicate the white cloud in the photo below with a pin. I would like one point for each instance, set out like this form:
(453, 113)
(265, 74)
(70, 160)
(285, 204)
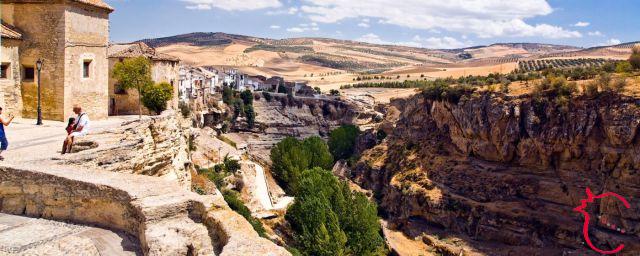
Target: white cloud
(231, 5)
(612, 41)
(364, 25)
(304, 27)
(417, 41)
(582, 24)
(441, 42)
(296, 30)
(485, 18)
(292, 10)
(274, 27)
(595, 33)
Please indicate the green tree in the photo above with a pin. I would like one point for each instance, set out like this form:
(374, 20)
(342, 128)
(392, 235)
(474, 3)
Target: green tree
(322, 200)
(230, 165)
(319, 153)
(133, 73)
(635, 57)
(342, 141)
(155, 97)
(250, 114)
(289, 158)
(247, 97)
(227, 95)
(231, 197)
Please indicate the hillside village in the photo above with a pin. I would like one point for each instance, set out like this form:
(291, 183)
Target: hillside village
(362, 150)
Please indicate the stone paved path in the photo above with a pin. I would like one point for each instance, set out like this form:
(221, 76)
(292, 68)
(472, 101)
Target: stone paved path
(29, 236)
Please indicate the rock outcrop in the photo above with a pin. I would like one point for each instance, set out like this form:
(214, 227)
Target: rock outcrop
(166, 219)
(155, 146)
(510, 170)
(304, 116)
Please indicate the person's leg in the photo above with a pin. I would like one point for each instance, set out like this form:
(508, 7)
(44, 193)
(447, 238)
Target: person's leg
(4, 144)
(70, 144)
(67, 145)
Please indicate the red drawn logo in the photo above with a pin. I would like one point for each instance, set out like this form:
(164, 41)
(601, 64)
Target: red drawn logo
(587, 218)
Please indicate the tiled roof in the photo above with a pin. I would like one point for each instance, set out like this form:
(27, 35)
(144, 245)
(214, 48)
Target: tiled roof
(96, 3)
(136, 50)
(8, 31)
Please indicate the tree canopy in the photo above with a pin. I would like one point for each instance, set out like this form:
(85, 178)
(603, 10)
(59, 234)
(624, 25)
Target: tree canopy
(342, 141)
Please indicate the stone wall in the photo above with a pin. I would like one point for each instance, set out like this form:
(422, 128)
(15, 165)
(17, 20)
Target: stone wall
(166, 219)
(10, 94)
(43, 27)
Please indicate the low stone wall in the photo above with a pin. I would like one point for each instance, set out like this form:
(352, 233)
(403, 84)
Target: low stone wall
(167, 219)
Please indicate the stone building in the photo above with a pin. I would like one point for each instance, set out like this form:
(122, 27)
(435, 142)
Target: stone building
(10, 92)
(71, 37)
(164, 69)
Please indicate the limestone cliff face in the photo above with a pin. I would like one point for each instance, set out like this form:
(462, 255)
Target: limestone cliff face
(510, 170)
(155, 146)
(303, 117)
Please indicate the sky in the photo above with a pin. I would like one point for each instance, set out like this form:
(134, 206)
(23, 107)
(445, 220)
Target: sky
(441, 24)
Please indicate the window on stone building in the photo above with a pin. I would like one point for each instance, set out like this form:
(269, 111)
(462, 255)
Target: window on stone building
(29, 73)
(86, 68)
(4, 70)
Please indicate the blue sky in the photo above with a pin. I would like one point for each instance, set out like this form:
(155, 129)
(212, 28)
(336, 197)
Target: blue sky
(421, 23)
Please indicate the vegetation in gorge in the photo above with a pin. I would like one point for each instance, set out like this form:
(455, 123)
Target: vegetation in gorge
(327, 217)
(342, 141)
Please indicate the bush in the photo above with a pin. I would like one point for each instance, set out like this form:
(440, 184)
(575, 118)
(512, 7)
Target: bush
(155, 97)
(227, 95)
(247, 97)
(590, 89)
(634, 60)
(342, 141)
(230, 165)
(334, 92)
(236, 205)
(267, 96)
(624, 67)
(185, 109)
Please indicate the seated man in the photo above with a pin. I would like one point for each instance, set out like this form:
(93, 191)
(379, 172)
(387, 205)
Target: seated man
(80, 128)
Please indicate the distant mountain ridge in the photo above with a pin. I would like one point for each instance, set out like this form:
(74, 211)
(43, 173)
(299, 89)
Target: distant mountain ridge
(221, 38)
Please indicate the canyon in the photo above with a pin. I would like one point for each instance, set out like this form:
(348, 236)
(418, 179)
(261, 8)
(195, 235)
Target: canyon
(504, 173)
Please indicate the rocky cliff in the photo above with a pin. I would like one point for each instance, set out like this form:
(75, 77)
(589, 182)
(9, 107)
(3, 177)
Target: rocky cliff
(306, 116)
(154, 146)
(507, 172)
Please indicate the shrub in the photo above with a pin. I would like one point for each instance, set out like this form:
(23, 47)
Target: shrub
(634, 60)
(342, 141)
(624, 67)
(267, 96)
(155, 97)
(230, 165)
(236, 205)
(334, 92)
(247, 97)
(185, 109)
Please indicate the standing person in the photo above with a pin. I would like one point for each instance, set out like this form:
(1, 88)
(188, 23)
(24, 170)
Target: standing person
(80, 129)
(3, 137)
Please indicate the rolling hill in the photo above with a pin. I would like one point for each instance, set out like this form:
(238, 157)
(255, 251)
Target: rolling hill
(324, 61)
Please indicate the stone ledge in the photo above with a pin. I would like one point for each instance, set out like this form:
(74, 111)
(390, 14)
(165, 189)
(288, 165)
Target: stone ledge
(167, 219)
